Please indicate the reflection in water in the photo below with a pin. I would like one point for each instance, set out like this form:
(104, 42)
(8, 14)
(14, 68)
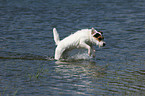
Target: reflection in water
(88, 76)
(80, 75)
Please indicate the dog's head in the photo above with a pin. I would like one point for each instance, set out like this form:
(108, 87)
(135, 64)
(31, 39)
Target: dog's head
(98, 37)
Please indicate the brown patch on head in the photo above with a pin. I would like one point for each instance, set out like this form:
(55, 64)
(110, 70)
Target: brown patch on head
(99, 38)
(97, 35)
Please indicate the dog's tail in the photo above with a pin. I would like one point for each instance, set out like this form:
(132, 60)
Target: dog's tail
(56, 36)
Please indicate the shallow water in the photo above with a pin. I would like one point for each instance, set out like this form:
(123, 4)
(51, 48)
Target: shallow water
(27, 48)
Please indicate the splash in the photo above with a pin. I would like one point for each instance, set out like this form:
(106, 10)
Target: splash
(76, 55)
(80, 56)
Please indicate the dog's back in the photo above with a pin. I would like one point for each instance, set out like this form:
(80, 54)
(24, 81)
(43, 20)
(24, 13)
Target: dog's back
(73, 40)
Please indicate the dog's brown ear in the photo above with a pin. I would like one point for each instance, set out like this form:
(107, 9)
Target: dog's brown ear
(96, 35)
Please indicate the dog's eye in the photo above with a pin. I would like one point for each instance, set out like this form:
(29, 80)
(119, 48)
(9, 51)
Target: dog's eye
(97, 35)
(100, 38)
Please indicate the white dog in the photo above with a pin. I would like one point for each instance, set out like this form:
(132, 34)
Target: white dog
(84, 38)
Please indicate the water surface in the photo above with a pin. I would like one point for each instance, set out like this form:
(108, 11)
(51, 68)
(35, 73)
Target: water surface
(27, 48)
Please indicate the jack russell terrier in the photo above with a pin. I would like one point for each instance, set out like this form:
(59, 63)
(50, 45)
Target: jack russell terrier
(84, 38)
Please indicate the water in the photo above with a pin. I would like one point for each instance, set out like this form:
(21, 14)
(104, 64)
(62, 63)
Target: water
(27, 67)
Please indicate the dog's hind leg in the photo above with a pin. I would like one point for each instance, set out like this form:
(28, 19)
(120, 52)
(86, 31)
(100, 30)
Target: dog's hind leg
(58, 52)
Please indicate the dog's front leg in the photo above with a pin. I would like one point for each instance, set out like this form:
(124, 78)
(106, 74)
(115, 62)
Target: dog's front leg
(93, 51)
(84, 45)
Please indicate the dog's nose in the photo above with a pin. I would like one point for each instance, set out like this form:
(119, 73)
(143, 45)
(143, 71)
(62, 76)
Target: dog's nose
(104, 44)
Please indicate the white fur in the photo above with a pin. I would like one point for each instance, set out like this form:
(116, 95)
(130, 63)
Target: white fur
(80, 39)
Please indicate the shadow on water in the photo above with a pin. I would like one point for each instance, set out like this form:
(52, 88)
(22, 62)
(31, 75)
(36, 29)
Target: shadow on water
(29, 56)
(23, 56)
